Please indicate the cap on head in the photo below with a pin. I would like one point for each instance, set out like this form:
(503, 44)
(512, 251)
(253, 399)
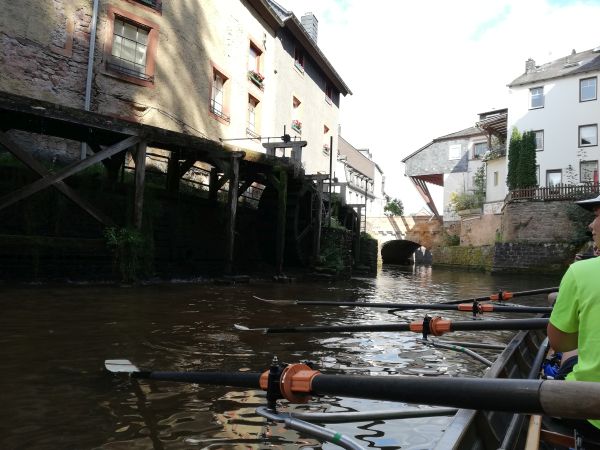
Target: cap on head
(589, 204)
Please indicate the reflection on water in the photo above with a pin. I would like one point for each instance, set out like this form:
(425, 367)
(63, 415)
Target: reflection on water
(54, 341)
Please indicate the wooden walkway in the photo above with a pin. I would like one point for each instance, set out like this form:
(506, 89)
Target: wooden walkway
(110, 138)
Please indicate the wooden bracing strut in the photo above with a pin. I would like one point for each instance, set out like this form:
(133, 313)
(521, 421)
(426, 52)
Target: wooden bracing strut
(55, 179)
(424, 191)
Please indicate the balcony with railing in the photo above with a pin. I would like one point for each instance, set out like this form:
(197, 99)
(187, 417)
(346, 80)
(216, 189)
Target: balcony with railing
(558, 192)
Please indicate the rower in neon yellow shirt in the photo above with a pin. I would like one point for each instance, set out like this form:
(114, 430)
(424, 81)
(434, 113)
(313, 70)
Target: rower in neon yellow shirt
(575, 319)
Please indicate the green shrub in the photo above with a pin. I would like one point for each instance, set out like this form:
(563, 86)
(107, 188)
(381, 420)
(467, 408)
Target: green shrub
(133, 252)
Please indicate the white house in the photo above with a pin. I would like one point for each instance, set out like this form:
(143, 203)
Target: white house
(559, 102)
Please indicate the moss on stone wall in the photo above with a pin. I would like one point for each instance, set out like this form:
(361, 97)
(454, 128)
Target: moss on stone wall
(474, 258)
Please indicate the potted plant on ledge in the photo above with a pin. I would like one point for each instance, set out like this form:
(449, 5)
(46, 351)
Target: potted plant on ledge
(297, 125)
(256, 78)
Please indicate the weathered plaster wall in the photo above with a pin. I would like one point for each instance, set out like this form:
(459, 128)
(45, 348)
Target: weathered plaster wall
(308, 86)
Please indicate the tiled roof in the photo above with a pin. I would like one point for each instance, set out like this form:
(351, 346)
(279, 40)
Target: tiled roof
(468, 132)
(574, 64)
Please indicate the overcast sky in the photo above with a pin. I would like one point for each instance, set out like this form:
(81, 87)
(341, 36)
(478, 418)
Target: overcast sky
(420, 70)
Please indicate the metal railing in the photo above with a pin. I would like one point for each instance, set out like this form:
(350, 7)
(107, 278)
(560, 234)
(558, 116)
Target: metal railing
(560, 192)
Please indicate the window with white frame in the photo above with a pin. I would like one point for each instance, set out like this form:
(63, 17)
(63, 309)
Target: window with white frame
(587, 89)
(129, 48)
(454, 151)
(479, 150)
(553, 178)
(588, 135)
(588, 171)
(539, 140)
(536, 97)
(217, 98)
(252, 119)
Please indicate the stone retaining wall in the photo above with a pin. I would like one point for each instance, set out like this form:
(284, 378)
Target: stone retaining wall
(532, 257)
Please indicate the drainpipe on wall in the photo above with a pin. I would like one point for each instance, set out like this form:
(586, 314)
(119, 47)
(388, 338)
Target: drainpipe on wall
(90, 69)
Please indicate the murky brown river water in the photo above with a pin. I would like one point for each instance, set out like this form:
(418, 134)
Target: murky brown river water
(54, 340)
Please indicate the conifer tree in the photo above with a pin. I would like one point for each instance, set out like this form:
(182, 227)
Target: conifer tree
(526, 170)
(514, 148)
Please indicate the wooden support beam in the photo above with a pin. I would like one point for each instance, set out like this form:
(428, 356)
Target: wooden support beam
(215, 183)
(37, 167)
(232, 200)
(317, 222)
(281, 186)
(140, 176)
(173, 171)
(185, 166)
(244, 187)
(71, 169)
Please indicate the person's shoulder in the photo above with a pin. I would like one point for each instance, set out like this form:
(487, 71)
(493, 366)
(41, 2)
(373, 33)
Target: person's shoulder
(585, 265)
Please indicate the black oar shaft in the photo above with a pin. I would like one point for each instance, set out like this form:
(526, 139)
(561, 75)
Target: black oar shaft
(342, 328)
(494, 325)
(426, 306)
(470, 393)
(247, 380)
(471, 325)
(555, 398)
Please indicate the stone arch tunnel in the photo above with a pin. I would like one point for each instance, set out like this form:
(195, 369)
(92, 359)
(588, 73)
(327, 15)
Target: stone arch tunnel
(399, 251)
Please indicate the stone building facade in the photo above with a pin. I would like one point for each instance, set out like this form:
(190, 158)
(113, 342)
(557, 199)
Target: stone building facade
(220, 69)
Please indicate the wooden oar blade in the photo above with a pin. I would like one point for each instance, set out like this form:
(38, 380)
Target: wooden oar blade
(120, 366)
(276, 302)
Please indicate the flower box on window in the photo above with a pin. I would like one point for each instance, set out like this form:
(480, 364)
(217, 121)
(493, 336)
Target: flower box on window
(297, 126)
(256, 78)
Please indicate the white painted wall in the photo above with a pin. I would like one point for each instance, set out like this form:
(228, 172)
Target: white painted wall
(496, 192)
(560, 119)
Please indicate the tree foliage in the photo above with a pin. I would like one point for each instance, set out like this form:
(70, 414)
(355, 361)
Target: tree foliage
(521, 160)
(527, 164)
(514, 147)
(394, 207)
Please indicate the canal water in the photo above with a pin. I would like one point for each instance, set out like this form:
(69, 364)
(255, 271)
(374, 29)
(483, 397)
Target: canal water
(54, 340)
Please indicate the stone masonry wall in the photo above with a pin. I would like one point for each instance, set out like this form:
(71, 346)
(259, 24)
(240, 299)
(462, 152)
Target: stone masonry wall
(477, 258)
(537, 222)
(532, 257)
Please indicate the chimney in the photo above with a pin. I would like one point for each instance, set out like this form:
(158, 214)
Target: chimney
(529, 65)
(311, 25)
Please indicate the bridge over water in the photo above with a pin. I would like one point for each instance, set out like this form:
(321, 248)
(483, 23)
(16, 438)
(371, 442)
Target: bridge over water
(400, 236)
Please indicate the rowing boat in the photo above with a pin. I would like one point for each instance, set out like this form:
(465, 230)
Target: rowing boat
(470, 429)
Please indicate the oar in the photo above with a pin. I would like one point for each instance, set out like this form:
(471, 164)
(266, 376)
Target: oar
(410, 306)
(573, 399)
(504, 295)
(435, 326)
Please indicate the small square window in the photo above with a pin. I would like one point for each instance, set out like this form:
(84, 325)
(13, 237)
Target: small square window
(539, 140)
(536, 97)
(479, 150)
(454, 152)
(587, 89)
(588, 135)
(588, 171)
